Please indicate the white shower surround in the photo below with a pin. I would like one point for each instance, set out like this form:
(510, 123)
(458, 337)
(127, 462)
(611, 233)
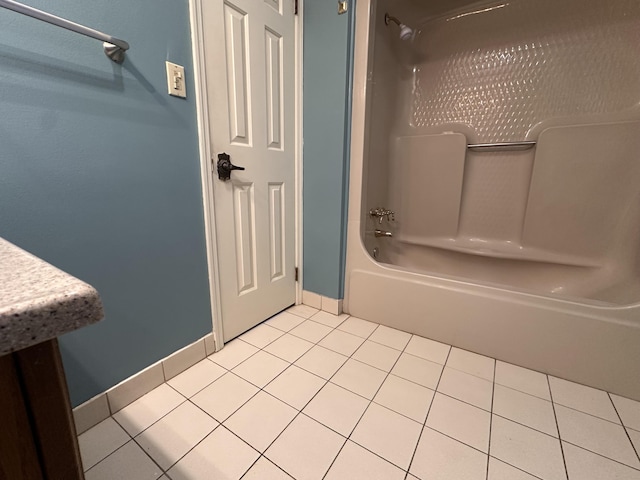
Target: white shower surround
(594, 344)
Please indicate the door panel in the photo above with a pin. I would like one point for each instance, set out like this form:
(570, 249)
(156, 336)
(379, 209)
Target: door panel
(249, 55)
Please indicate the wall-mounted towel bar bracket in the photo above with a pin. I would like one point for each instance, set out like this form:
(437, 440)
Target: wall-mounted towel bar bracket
(114, 48)
(501, 146)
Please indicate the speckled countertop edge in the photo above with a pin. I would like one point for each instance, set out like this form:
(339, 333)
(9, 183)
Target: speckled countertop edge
(39, 302)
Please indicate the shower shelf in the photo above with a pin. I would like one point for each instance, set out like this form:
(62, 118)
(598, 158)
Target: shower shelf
(502, 250)
(501, 146)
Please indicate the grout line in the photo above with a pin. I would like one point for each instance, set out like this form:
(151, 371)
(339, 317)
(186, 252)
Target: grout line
(624, 427)
(428, 411)
(457, 440)
(517, 468)
(493, 392)
(555, 416)
(524, 425)
(370, 400)
(299, 412)
(157, 420)
(288, 309)
(562, 405)
(133, 438)
(602, 456)
(522, 391)
(148, 455)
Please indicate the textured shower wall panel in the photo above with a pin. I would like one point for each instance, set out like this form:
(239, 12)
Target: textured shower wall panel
(502, 72)
(495, 195)
(427, 186)
(503, 68)
(584, 181)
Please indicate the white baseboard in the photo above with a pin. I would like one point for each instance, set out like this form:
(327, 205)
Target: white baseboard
(100, 407)
(327, 304)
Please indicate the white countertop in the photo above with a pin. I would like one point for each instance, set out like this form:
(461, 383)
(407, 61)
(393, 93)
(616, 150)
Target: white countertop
(39, 302)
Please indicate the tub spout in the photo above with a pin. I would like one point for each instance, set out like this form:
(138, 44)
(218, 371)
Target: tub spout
(382, 233)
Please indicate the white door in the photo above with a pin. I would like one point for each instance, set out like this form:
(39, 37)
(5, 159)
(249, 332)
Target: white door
(250, 58)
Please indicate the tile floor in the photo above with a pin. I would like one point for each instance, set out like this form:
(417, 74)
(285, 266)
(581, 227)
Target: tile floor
(309, 395)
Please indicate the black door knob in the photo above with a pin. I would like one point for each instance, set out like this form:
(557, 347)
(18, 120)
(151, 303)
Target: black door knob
(225, 167)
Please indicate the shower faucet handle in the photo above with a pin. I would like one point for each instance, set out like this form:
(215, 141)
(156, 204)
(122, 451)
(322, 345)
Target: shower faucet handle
(381, 213)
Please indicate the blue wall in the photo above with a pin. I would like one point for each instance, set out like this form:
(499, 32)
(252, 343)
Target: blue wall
(328, 56)
(99, 175)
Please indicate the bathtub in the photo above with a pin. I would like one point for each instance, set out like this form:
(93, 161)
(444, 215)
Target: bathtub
(527, 286)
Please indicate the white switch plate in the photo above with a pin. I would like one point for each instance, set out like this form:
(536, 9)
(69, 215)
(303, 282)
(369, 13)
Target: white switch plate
(176, 82)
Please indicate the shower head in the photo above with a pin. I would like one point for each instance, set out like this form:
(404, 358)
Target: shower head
(406, 33)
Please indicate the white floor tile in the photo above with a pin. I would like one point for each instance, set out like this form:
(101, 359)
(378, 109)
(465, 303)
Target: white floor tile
(233, 353)
(305, 449)
(341, 342)
(220, 456)
(586, 399)
(377, 355)
(522, 379)
(329, 319)
(100, 441)
(357, 326)
(526, 409)
(629, 411)
(284, 321)
(224, 396)
(356, 463)
(263, 469)
(388, 434)
(472, 363)
(321, 361)
(459, 420)
(261, 336)
(288, 347)
(167, 440)
(390, 337)
(418, 370)
(439, 457)
(195, 378)
(466, 387)
(527, 449)
(405, 397)
(337, 408)
(148, 409)
(311, 331)
(304, 311)
(502, 471)
(428, 349)
(126, 463)
(261, 368)
(584, 465)
(359, 378)
(295, 386)
(599, 436)
(259, 421)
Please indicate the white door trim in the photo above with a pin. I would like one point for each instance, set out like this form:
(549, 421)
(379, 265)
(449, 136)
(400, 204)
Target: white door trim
(206, 168)
(299, 47)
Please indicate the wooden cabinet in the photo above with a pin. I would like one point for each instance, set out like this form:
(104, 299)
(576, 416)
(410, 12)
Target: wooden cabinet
(37, 434)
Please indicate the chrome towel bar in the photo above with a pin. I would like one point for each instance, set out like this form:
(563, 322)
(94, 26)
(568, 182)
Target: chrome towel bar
(502, 146)
(114, 48)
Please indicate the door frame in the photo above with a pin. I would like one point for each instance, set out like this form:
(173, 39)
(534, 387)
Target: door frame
(206, 167)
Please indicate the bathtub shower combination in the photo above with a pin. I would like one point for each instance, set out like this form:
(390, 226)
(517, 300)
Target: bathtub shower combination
(495, 180)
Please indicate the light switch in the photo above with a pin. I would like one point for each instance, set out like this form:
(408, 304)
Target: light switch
(175, 80)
